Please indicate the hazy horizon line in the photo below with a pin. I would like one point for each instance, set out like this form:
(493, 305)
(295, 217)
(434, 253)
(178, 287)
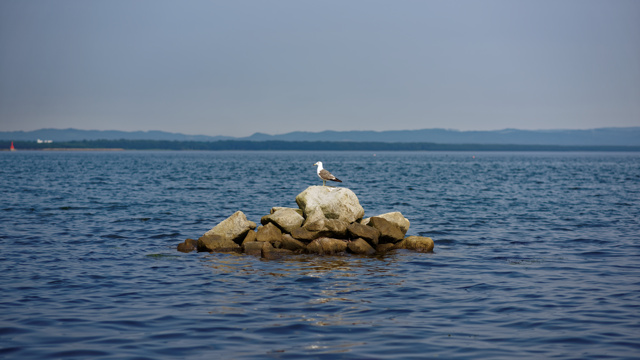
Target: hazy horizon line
(327, 130)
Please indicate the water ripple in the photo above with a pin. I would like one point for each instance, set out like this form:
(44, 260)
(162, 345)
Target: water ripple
(536, 257)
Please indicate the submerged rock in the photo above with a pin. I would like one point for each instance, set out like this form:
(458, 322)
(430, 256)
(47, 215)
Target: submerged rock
(271, 253)
(416, 243)
(188, 245)
(253, 248)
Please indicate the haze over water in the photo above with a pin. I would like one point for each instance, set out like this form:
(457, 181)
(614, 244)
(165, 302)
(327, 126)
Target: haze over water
(536, 256)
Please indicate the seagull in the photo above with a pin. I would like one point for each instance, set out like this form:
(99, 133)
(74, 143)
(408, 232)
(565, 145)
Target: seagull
(324, 174)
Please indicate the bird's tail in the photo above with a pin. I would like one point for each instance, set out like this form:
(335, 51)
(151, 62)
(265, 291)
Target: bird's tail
(336, 179)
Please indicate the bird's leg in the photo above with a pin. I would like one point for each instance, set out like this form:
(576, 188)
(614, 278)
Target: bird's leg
(324, 182)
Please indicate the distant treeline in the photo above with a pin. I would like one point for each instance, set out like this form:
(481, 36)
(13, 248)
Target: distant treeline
(295, 145)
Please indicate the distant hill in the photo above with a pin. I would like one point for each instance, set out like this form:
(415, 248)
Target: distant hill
(78, 135)
(629, 136)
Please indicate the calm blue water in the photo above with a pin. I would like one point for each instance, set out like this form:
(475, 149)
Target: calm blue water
(537, 256)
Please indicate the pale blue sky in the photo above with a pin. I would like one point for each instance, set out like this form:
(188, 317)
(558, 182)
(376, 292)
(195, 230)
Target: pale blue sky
(239, 67)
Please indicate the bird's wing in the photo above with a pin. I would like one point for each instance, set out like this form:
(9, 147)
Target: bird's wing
(324, 174)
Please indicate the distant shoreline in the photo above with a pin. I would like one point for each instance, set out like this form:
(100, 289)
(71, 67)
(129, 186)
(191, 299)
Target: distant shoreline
(604, 136)
(67, 149)
(226, 145)
(81, 149)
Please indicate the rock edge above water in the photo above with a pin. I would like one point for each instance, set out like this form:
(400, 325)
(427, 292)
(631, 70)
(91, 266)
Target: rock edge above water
(329, 221)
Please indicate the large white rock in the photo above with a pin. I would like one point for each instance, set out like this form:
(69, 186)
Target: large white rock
(233, 228)
(320, 202)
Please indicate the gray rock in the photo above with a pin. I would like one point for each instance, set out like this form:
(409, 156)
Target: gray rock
(395, 218)
(305, 235)
(327, 246)
(216, 243)
(289, 243)
(334, 228)
(314, 225)
(284, 218)
(368, 233)
(251, 236)
(389, 233)
(269, 233)
(327, 216)
(233, 228)
(416, 243)
(318, 202)
(276, 208)
(361, 247)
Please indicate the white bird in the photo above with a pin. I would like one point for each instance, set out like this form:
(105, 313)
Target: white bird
(324, 174)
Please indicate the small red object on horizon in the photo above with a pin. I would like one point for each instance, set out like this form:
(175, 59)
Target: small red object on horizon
(12, 148)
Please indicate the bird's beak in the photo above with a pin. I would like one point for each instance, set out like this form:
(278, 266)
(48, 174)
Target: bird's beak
(316, 164)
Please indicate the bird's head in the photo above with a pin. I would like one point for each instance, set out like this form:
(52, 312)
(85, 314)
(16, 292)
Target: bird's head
(319, 163)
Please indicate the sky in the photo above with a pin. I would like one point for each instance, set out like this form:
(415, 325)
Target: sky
(234, 68)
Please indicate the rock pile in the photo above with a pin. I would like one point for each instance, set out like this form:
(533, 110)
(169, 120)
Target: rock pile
(328, 221)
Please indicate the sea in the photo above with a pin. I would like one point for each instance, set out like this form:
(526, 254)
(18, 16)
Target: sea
(537, 256)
